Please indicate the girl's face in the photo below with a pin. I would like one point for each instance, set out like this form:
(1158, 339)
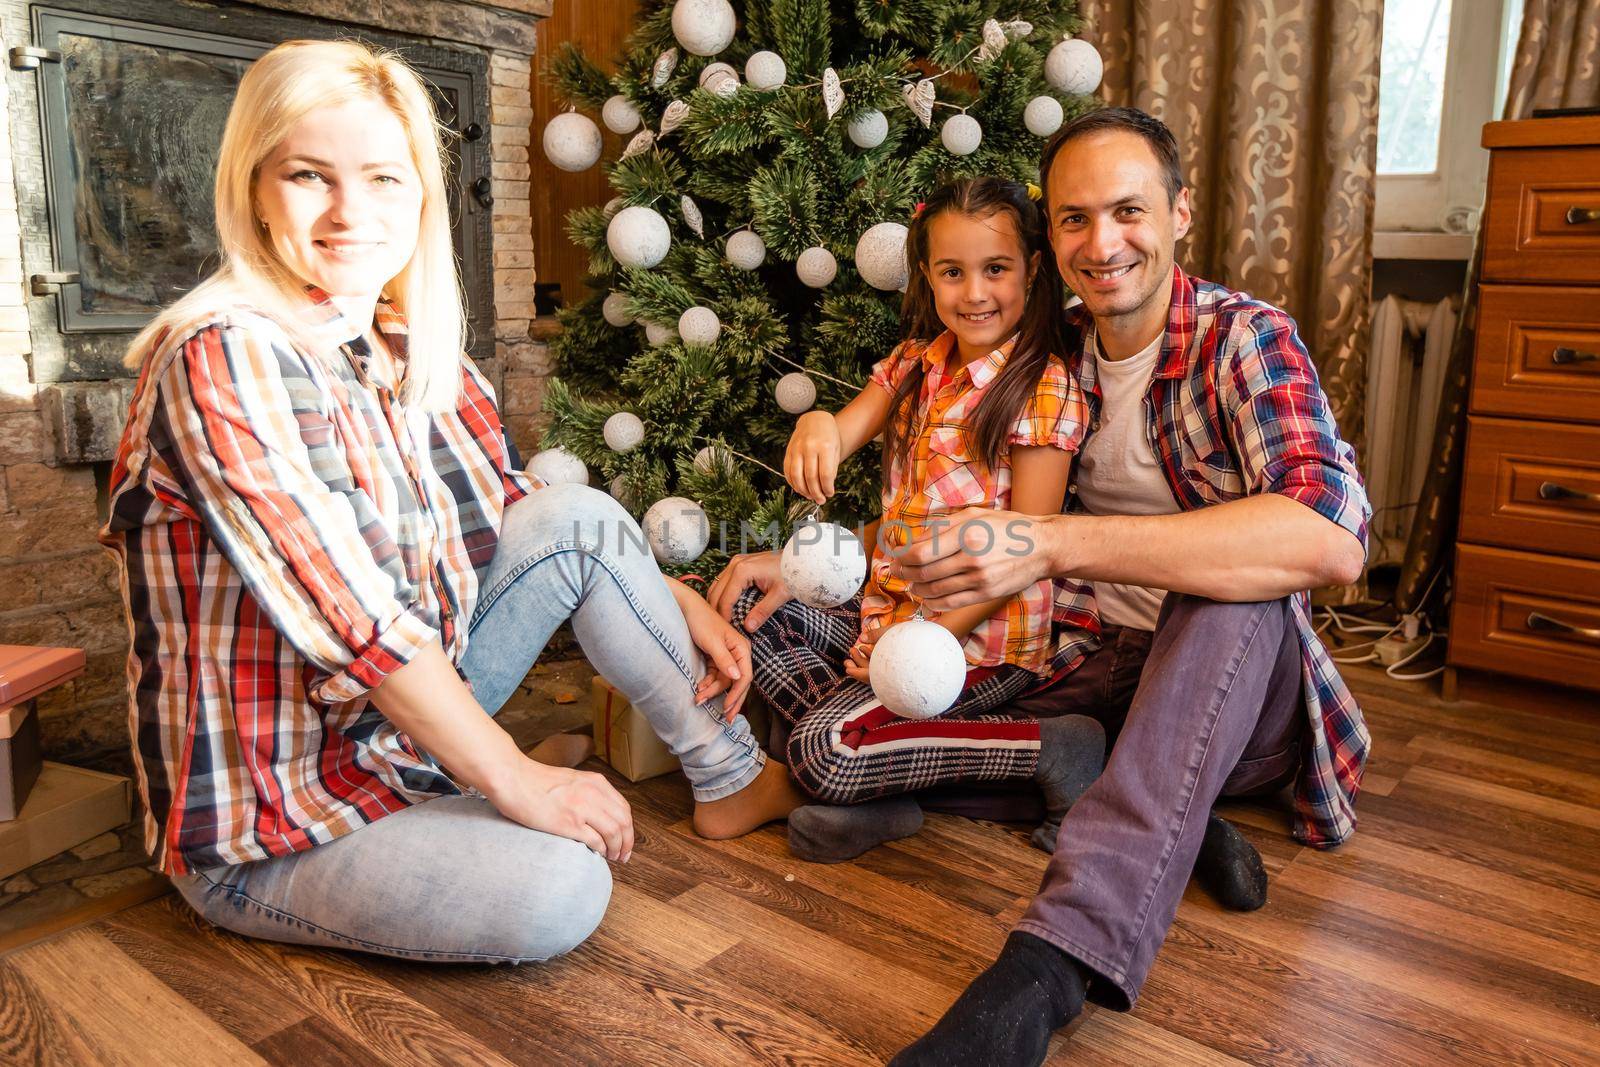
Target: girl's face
(341, 199)
(979, 273)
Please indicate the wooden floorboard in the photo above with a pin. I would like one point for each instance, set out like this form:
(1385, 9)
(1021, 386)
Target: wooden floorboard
(1461, 925)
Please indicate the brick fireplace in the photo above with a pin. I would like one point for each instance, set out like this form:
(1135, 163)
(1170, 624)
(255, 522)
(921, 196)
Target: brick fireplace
(62, 396)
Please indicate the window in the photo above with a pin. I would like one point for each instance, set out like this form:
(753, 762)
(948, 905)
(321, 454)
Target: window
(1445, 65)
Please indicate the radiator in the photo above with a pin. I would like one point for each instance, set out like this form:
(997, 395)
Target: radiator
(1405, 374)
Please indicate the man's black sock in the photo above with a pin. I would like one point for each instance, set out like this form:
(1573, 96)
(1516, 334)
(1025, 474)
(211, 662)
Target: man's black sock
(1229, 867)
(1006, 1016)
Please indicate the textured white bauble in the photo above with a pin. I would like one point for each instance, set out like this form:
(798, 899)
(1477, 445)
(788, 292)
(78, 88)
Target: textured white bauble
(677, 529)
(713, 69)
(659, 335)
(638, 236)
(572, 141)
(709, 458)
(1073, 66)
(917, 669)
(615, 308)
(723, 83)
(614, 205)
(623, 432)
(881, 256)
(620, 492)
(557, 465)
(795, 392)
(699, 326)
(765, 70)
(1043, 116)
(868, 130)
(823, 564)
(746, 250)
(961, 135)
(619, 115)
(703, 27)
(816, 267)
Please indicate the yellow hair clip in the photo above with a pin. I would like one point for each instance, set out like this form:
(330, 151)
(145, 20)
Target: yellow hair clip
(1034, 192)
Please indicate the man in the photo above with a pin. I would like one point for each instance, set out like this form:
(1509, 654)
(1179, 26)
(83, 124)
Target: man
(1211, 492)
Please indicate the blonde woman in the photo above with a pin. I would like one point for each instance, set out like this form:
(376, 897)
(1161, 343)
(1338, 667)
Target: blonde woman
(332, 573)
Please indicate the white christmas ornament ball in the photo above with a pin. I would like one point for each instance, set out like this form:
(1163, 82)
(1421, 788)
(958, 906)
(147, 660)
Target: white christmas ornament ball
(619, 115)
(816, 267)
(659, 335)
(868, 130)
(961, 135)
(638, 236)
(615, 308)
(881, 256)
(572, 141)
(677, 529)
(713, 69)
(917, 669)
(765, 70)
(556, 465)
(1073, 66)
(746, 250)
(614, 205)
(700, 326)
(703, 27)
(619, 491)
(823, 564)
(795, 392)
(709, 458)
(623, 432)
(1043, 116)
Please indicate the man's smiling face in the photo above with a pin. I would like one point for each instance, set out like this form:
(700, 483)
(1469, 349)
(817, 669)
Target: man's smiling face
(1114, 225)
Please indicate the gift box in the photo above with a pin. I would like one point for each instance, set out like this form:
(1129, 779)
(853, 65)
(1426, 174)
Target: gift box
(623, 738)
(26, 672)
(68, 806)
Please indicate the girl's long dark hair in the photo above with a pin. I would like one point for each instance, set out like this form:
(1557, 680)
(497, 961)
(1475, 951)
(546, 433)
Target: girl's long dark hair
(1040, 332)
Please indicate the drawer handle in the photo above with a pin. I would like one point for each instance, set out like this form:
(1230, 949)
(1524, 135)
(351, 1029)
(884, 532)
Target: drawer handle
(1539, 621)
(1577, 216)
(1555, 491)
(1572, 355)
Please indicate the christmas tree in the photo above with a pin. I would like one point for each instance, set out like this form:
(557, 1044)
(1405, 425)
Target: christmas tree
(751, 263)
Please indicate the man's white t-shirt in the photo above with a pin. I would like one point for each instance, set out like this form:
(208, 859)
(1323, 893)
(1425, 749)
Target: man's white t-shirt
(1118, 473)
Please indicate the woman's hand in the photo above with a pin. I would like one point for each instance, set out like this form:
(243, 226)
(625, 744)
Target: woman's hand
(860, 659)
(727, 649)
(580, 805)
(815, 450)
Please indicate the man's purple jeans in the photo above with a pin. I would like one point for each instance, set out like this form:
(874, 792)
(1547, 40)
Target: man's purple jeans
(1208, 706)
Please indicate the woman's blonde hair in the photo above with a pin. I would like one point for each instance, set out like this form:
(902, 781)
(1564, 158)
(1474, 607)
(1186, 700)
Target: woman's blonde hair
(276, 93)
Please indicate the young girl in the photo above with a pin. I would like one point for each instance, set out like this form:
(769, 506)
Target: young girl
(977, 410)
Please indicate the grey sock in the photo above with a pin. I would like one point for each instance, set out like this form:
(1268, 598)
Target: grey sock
(1072, 753)
(832, 833)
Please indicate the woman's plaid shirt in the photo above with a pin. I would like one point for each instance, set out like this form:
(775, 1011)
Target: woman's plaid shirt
(1236, 410)
(290, 533)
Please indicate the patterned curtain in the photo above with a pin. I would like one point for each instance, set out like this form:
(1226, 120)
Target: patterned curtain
(1275, 107)
(1557, 64)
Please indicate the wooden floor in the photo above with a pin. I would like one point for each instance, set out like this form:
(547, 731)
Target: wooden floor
(1461, 925)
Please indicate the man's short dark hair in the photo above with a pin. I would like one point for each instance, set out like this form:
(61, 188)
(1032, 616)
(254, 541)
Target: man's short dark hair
(1155, 133)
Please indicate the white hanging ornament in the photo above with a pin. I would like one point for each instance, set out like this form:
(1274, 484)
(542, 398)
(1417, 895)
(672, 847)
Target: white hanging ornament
(673, 116)
(615, 308)
(795, 392)
(703, 27)
(614, 205)
(1043, 116)
(832, 92)
(619, 115)
(868, 129)
(623, 432)
(642, 142)
(572, 141)
(692, 216)
(699, 326)
(881, 256)
(765, 70)
(746, 250)
(677, 529)
(1074, 67)
(816, 267)
(711, 70)
(658, 334)
(638, 237)
(618, 488)
(994, 41)
(665, 64)
(919, 98)
(961, 135)
(720, 78)
(917, 669)
(1017, 29)
(823, 564)
(710, 458)
(554, 466)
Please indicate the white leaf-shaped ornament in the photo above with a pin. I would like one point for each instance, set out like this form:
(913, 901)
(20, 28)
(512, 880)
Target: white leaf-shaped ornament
(691, 215)
(666, 63)
(832, 92)
(642, 142)
(919, 98)
(994, 42)
(673, 116)
(1017, 29)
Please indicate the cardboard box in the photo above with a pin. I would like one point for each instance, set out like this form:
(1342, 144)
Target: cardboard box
(623, 738)
(20, 756)
(68, 806)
